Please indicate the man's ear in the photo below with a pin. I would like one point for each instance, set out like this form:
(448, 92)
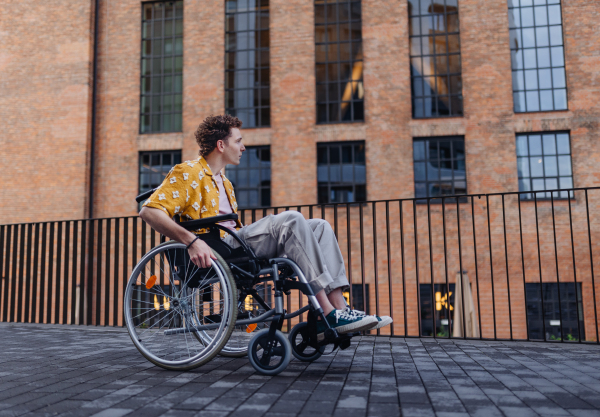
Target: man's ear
(220, 145)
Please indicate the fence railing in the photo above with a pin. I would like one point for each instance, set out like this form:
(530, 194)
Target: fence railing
(526, 260)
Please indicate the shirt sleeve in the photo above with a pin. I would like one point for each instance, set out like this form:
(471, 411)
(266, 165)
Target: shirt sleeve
(170, 197)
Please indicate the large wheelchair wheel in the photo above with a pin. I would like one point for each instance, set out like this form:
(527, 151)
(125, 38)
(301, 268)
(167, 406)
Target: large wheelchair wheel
(248, 307)
(178, 315)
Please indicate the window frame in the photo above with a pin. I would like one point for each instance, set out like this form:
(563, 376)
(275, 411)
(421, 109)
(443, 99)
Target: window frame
(326, 83)
(442, 197)
(530, 195)
(519, 29)
(261, 188)
(258, 52)
(354, 183)
(150, 74)
(433, 55)
(173, 152)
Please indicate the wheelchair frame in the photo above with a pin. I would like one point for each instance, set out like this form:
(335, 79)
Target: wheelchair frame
(248, 271)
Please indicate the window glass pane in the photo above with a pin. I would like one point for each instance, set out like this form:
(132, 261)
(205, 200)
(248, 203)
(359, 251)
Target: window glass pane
(247, 65)
(562, 140)
(536, 166)
(564, 165)
(443, 170)
(536, 44)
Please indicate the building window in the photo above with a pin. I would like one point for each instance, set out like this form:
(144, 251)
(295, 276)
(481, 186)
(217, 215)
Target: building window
(435, 68)
(443, 302)
(247, 94)
(339, 61)
(162, 67)
(154, 167)
(544, 163)
(341, 172)
(251, 179)
(439, 165)
(537, 55)
(569, 308)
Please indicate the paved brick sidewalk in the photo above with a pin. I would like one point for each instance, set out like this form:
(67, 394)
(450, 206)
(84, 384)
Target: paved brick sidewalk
(83, 371)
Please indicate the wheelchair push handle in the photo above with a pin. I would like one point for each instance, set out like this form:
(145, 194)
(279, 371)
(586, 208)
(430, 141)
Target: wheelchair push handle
(145, 195)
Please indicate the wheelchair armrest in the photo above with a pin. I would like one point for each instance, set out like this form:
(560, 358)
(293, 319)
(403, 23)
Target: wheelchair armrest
(210, 221)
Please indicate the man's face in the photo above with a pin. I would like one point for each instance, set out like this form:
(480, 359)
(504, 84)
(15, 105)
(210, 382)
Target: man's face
(234, 147)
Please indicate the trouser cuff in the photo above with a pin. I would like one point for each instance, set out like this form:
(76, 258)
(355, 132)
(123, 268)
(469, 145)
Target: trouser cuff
(321, 282)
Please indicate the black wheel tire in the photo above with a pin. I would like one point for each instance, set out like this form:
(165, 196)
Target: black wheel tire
(298, 338)
(278, 361)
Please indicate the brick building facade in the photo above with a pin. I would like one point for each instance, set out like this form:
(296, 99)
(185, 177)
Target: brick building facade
(47, 84)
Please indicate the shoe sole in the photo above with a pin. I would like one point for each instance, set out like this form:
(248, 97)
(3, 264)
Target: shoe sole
(364, 324)
(385, 321)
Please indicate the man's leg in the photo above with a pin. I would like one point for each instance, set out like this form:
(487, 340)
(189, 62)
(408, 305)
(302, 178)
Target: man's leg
(333, 260)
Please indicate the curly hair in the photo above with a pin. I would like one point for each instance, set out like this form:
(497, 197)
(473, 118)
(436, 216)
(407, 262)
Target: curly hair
(213, 129)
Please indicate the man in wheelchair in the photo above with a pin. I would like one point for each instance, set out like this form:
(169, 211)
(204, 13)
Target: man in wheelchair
(197, 189)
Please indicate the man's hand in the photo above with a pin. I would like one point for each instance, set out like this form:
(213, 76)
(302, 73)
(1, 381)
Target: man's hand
(201, 254)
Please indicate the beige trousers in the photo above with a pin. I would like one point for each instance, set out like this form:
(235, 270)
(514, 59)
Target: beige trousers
(309, 243)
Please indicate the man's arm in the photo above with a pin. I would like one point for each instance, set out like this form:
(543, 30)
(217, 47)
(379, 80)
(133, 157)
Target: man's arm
(200, 252)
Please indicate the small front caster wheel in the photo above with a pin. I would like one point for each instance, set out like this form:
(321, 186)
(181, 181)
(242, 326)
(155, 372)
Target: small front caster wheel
(269, 356)
(300, 348)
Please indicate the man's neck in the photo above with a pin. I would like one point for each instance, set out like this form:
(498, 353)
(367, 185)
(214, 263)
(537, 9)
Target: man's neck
(215, 161)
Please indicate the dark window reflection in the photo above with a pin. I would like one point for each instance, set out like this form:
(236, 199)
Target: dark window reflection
(247, 72)
(537, 55)
(252, 177)
(162, 67)
(339, 61)
(439, 166)
(544, 163)
(341, 172)
(154, 167)
(435, 58)
(562, 315)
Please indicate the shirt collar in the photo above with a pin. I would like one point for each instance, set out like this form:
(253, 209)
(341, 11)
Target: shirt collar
(205, 165)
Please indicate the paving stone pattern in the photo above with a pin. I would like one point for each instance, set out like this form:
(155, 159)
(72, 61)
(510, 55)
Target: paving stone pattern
(91, 371)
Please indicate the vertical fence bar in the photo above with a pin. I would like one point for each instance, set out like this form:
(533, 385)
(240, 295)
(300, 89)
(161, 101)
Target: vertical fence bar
(43, 274)
(58, 273)
(476, 268)
(348, 237)
(98, 262)
(447, 306)
(389, 262)
(403, 269)
(2, 257)
(107, 271)
(375, 258)
(487, 199)
(417, 267)
(562, 338)
(28, 274)
(115, 279)
(82, 280)
(362, 257)
(125, 261)
(587, 212)
(19, 287)
(35, 276)
(574, 269)
(537, 231)
(73, 308)
(13, 277)
(462, 287)
(433, 334)
(5, 296)
(50, 288)
(523, 265)
(65, 288)
(89, 282)
(507, 272)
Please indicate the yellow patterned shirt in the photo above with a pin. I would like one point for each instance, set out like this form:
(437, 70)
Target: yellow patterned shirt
(189, 191)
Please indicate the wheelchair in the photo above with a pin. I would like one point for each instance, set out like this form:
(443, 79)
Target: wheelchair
(180, 316)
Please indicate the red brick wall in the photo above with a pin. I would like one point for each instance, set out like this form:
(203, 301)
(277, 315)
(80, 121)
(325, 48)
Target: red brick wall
(45, 102)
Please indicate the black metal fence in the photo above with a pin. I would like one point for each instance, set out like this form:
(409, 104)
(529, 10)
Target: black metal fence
(526, 260)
